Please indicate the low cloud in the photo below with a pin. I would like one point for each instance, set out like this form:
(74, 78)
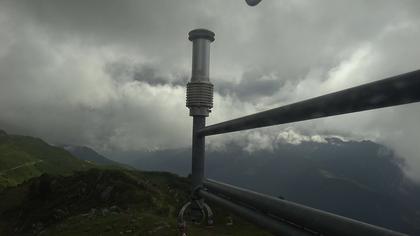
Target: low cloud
(112, 75)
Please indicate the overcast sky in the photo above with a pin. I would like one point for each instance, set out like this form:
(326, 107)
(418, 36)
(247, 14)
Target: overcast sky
(111, 74)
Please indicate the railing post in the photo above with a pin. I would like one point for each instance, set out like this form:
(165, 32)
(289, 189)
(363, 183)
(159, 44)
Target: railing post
(199, 99)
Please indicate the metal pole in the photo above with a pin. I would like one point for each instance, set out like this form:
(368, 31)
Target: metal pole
(198, 152)
(317, 220)
(397, 90)
(199, 99)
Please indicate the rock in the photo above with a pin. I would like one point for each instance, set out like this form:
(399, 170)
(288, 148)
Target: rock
(99, 176)
(159, 228)
(59, 214)
(105, 211)
(229, 221)
(106, 194)
(92, 213)
(36, 228)
(142, 184)
(115, 208)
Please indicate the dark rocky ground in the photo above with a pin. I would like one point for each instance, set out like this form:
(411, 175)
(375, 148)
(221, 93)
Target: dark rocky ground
(105, 202)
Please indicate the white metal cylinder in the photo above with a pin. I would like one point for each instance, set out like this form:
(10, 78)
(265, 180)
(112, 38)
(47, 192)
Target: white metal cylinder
(199, 89)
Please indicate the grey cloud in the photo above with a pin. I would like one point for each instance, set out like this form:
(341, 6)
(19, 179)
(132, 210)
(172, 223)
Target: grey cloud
(111, 74)
(148, 73)
(251, 87)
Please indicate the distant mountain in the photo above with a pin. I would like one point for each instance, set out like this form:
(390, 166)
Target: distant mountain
(23, 157)
(362, 180)
(90, 155)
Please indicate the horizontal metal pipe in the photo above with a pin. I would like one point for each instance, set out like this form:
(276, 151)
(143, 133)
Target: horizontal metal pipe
(317, 220)
(397, 90)
(267, 223)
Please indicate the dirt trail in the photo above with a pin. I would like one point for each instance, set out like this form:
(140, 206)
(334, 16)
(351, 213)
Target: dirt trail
(31, 163)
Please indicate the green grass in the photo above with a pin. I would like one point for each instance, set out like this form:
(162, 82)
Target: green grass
(148, 204)
(22, 158)
(44, 190)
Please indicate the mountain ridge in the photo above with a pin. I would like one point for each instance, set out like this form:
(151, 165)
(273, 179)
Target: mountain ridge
(366, 180)
(89, 154)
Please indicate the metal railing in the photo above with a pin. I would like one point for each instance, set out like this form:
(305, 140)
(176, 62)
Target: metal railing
(279, 216)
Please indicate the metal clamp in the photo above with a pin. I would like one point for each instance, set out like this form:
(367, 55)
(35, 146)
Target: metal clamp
(195, 206)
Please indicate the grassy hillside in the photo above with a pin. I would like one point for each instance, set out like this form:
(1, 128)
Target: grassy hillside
(45, 190)
(105, 202)
(364, 180)
(23, 157)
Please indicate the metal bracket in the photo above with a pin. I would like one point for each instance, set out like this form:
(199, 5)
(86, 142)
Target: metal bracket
(189, 213)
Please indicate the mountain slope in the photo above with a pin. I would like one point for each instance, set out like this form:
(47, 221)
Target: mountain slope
(105, 202)
(90, 155)
(23, 157)
(48, 191)
(361, 180)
